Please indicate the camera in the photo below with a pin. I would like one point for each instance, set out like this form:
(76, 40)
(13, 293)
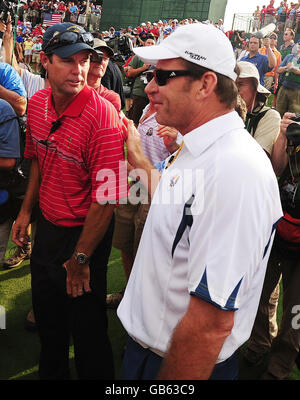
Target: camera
(8, 8)
(293, 131)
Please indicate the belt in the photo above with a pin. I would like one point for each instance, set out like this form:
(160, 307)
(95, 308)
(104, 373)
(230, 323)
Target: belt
(145, 346)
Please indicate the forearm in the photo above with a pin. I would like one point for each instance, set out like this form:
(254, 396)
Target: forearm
(9, 57)
(188, 358)
(33, 187)
(8, 47)
(134, 72)
(17, 102)
(279, 156)
(7, 163)
(95, 227)
(271, 57)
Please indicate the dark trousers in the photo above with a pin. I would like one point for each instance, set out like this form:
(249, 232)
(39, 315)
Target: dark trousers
(143, 364)
(59, 317)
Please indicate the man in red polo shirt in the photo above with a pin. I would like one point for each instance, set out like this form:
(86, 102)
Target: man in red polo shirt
(98, 66)
(74, 141)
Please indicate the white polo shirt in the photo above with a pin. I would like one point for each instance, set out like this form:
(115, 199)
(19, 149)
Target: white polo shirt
(217, 250)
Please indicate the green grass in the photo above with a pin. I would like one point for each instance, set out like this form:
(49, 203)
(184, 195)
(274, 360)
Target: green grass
(19, 349)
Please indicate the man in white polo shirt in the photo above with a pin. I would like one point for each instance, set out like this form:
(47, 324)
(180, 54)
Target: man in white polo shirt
(194, 289)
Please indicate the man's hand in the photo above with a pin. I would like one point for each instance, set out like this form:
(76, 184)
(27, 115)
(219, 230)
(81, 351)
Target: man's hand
(78, 278)
(279, 157)
(266, 42)
(285, 122)
(169, 136)
(20, 229)
(2, 27)
(134, 148)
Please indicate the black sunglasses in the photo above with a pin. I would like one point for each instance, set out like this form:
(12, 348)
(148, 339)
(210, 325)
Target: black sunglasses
(98, 58)
(69, 37)
(161, 76)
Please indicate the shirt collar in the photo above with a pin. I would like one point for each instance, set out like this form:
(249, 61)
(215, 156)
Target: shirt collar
(77, 105)
(198, 140)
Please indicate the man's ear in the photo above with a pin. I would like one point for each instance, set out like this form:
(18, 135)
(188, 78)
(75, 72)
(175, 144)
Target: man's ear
(206, 85)
(44, 59)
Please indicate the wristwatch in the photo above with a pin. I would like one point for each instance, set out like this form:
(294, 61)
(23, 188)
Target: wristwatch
(81, 258)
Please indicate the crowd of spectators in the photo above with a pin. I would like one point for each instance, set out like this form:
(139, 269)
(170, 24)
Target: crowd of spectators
(284, 15)
(260, 81)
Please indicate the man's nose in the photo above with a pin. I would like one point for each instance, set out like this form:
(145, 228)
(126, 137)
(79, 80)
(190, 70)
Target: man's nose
(151, 87)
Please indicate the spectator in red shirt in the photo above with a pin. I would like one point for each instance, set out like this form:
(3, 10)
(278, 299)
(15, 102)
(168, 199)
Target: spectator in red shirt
(270, 13)
(263, 15)
(73, 136)
(97, 70)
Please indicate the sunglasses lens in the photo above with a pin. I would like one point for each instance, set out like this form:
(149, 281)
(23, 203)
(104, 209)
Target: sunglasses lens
(149, 76)
(97, 59)
(71, 37)
(160, 78)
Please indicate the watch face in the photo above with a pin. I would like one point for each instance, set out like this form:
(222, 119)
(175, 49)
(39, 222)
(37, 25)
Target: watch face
(81, 258)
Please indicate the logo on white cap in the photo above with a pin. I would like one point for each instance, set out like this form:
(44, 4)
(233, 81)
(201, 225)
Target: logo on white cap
(195, 56)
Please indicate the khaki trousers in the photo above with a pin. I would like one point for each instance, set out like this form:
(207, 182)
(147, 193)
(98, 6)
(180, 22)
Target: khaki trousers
(283, 346)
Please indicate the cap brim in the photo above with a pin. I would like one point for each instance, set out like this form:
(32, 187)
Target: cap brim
(263, 90)
(152, 54)
(105, 48)
(69, 50)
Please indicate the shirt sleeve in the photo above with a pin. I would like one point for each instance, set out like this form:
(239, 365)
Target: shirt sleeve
(10, 79)
(268, 130)
(106, 161)
(9, 132)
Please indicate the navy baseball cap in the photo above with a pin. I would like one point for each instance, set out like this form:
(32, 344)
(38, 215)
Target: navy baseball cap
(66, 45)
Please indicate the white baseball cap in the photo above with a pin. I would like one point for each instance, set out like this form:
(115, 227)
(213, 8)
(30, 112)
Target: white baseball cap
(249, 70)
(198, 43)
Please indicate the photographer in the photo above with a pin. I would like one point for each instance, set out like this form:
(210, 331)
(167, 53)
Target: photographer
(283, 347)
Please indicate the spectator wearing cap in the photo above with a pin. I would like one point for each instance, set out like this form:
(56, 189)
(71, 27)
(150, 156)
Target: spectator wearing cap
(98, 66)
(264, 63)
(245, 51)
(220, 25)
(204, 298)
(288, 99)
(262, 122)
(72, 134)
(112, 78)
(271, 78)
(28, 44)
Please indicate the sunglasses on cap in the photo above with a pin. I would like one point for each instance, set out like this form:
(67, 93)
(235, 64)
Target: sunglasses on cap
(98, 58)
(70, 37)
(161, 76)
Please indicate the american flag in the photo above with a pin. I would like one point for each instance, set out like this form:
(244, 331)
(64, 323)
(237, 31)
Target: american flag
(51, 19)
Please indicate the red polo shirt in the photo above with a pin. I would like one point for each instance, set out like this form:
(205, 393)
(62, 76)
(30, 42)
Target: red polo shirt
(80, 165)
(110, 96)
